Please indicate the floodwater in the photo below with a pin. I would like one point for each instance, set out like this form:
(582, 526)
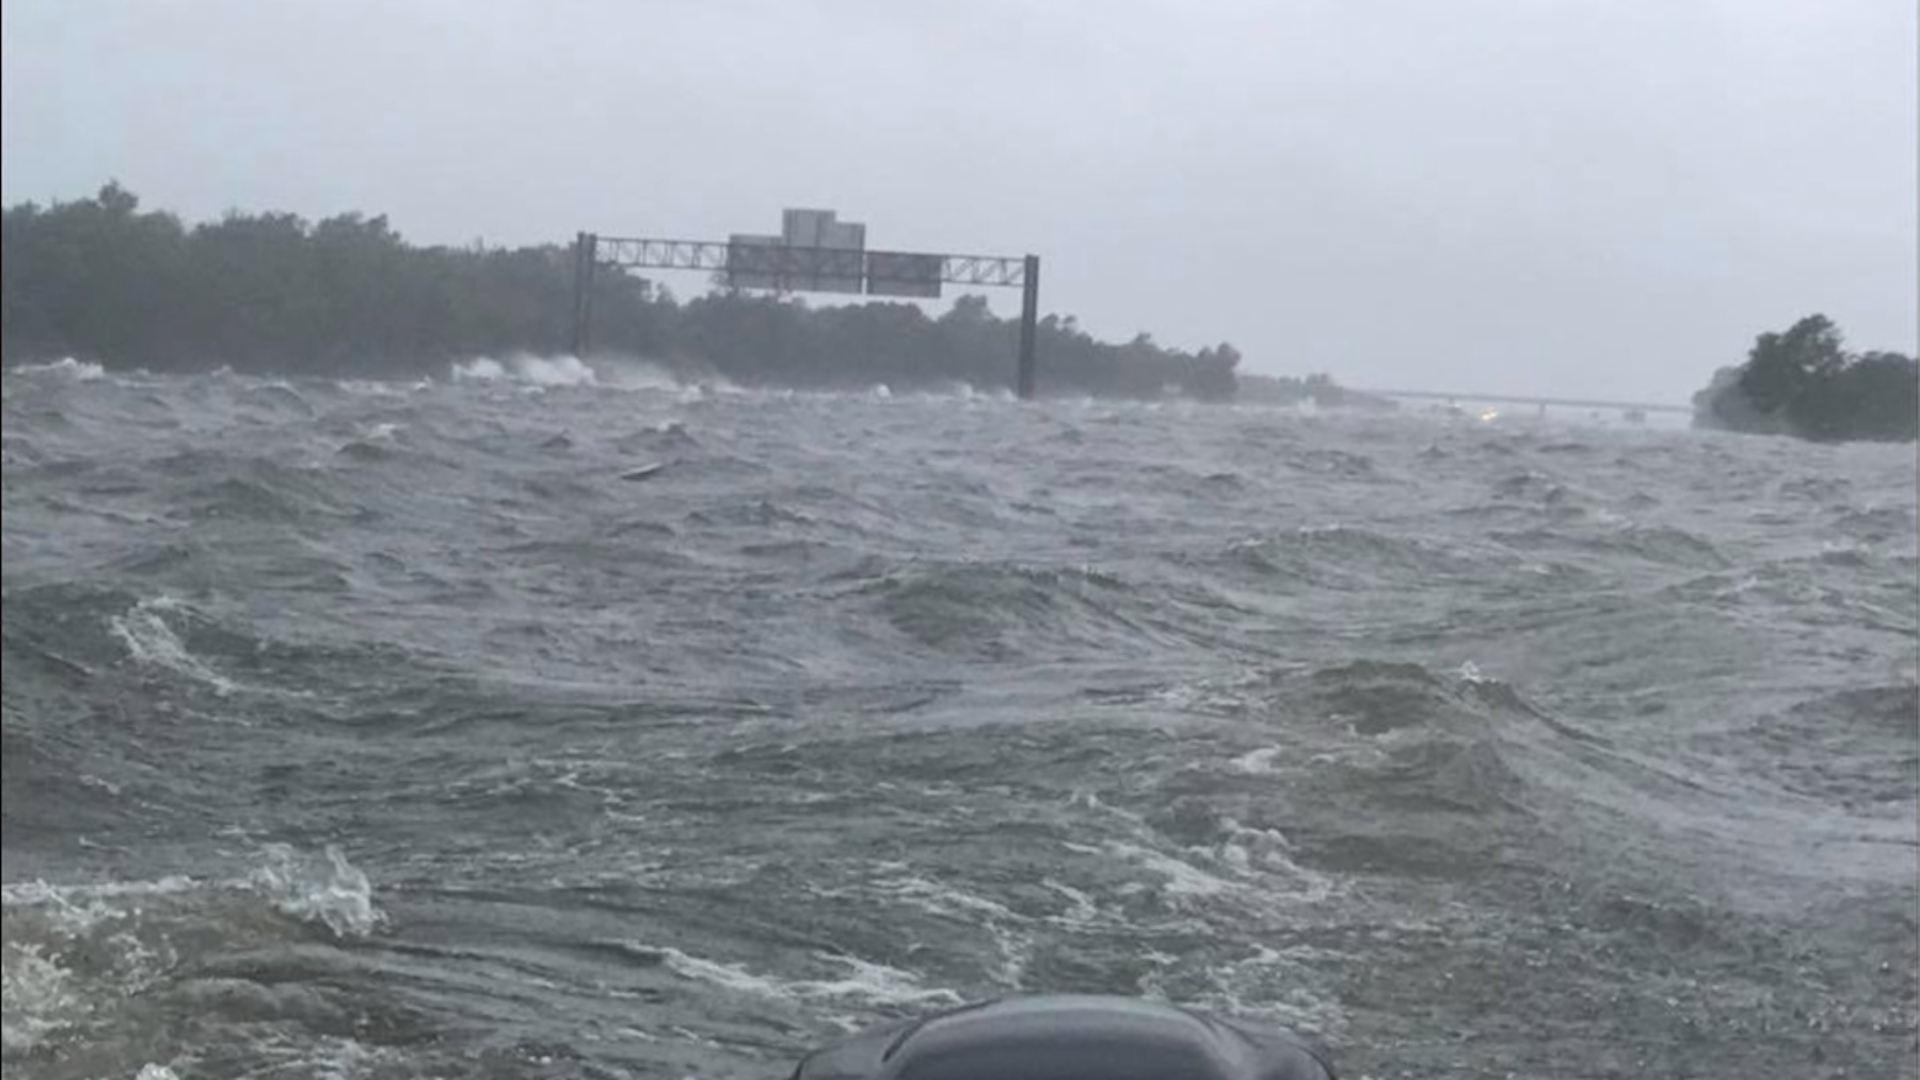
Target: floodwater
(368, 730)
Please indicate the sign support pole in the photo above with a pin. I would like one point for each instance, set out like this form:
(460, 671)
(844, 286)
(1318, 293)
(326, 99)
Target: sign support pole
(1029, 313)
(585, 256)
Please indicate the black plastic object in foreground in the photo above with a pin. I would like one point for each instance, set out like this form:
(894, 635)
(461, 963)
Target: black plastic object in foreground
(1068, 1038)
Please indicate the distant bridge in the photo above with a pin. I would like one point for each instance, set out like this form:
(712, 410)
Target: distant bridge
(1515, 399)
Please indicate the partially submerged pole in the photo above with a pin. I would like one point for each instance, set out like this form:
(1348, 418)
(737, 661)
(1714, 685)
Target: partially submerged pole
(585, 256)
(1029, 313)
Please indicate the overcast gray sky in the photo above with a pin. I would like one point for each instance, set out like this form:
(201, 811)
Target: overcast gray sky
(1607, 197)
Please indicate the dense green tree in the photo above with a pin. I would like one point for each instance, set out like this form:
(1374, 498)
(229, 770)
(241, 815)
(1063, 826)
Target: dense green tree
(1804, 382)
(102, 279)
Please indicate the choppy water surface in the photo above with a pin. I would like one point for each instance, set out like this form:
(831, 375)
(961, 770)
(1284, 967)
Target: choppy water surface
(384, 731)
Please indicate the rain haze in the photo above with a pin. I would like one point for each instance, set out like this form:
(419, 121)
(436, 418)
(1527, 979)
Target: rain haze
(1593, 199)
(1424, 581)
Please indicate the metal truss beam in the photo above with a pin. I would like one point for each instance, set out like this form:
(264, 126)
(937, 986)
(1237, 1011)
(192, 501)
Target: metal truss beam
(785, 268)
(640, 253)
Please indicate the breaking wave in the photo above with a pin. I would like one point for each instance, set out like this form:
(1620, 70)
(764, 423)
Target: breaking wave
(674, 728)
(85, 965)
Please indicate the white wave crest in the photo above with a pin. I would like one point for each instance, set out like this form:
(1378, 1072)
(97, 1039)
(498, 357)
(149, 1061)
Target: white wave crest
(1268, 852)
(330, 890)
(36, 996)
(82, 370)
(949, 901)
(73, 954)
(373, 388)
(863, 980)
(536, 371)
(481, 369)
(1178, 879)
(1081, 913)
(1256, 762)
(149, 640)
(946, 900)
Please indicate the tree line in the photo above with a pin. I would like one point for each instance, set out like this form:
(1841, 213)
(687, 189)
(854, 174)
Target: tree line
(102, 279)
(1804, 382)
